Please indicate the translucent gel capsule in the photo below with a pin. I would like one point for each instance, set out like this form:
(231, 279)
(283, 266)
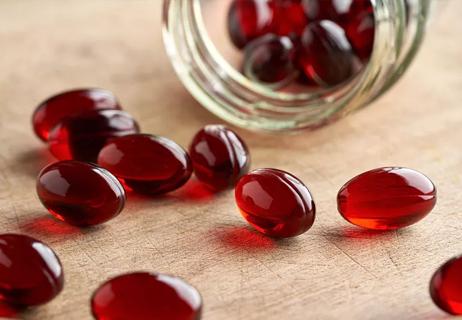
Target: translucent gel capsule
(334, 10)
(359, 26)
(248, 20)
(325, 54)
(83, 136)
(79, 193)
(387, 198)
(147, 163)
(446, 286)
(269, 60)
(219, 156)
(146, 296)
(30, 272)
(275, 202)
(251, 19)
(289, 18)
(356, 17)
(68, 104)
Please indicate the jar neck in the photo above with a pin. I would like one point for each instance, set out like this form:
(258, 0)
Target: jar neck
(230, 95)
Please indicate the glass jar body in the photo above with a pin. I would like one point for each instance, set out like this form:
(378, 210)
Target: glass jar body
(399, 30)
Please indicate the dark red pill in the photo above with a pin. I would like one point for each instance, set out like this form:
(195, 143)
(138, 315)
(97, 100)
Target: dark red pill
(68, 104)
(269, 60)
(356, 17)
(333, 10)
(446, 286)
(147, 163)
(387, 198)
(325, 54)
(30, 272)
(79, 193)
(248, 20)
(219, 156)
(359, 25)
(146, 296)
(289, 18)
(83, 136)
(275, 202)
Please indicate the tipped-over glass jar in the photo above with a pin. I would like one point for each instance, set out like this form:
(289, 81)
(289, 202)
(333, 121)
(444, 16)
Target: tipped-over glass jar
(281, 65)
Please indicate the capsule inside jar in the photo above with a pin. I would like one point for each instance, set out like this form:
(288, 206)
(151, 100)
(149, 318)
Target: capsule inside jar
(305, 45)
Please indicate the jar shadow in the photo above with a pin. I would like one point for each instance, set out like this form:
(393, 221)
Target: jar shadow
(184, 112)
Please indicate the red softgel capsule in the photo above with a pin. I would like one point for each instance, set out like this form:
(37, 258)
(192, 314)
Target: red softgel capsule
(289, 18)
(146, 163)
(325, 54)
(356, 17)
(68, 104)
(446, 286)
(79, 193)
(219, 156)
(82, 137)
(269, 60)
(335, 10)
(30, 272)
(248, 20)
(146, 296)
(251, 19)
(359, 26)
(275, 202)
(387, 198)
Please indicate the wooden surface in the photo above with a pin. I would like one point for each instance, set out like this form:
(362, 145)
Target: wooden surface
(334, 271)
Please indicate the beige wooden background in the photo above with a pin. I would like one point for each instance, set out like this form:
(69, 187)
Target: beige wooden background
(334, 271)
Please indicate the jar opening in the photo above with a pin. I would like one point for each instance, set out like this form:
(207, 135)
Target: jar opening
(208, 65)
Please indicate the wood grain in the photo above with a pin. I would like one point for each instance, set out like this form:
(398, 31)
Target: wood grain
(334, 271)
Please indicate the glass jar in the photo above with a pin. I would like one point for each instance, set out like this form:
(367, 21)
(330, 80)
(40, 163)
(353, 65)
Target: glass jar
(219, 87)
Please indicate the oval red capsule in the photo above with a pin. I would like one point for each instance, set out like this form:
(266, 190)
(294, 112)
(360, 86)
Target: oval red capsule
(219, 156)
(146, 296)
(68, 104)
(79, 193)
(82, 137)
(147, 163)
(387, 198)
(275, 202)
(325, 54)
(269, 60)
(30, 272)
(251, 19)
(334, 10)
(248, 20)
(359, 26)
(446, 286)
(289, 18)
(355, 17)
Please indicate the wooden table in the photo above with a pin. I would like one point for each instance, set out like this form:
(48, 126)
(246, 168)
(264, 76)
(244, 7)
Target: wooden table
(334, 271)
